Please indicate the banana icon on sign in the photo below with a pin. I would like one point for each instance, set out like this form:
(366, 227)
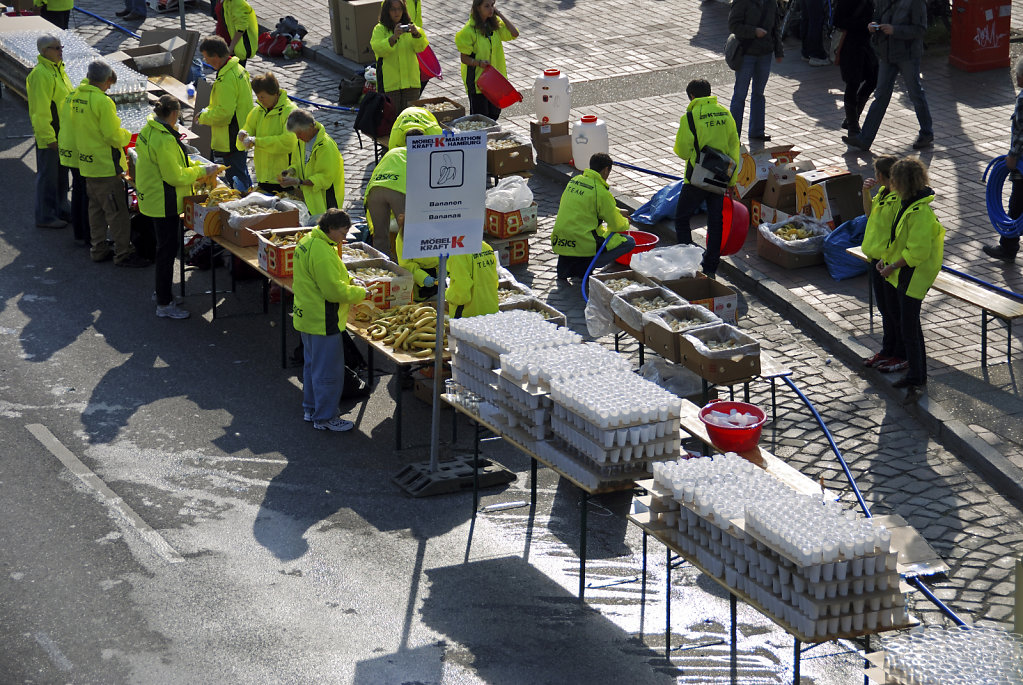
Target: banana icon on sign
(448, 171)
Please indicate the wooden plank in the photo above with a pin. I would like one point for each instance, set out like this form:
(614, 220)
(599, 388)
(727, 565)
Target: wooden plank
(358, 328)
(172, 86)
(248, 254)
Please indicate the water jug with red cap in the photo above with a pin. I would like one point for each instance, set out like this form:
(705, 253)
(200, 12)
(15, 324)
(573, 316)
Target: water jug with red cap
(552, 95)
(589, 136)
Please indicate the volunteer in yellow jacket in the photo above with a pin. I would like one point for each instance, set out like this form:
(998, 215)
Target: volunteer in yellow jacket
(711, 125)
(164, 175)
(316, 165)
(69, 159)
(57, 12)
(230, 104)
(423, 269)
(101, 139)
(47, 86)
(266, 132)
(472, 283)
(880, 211)
(243, 28)
(396, 41)
(323, 292)
(915, 253)
(481, 44)
(586, 216)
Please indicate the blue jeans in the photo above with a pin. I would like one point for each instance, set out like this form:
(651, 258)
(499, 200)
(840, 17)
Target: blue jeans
(51, 187)
(755, 69)
(886, 73)
(237, 168)
(323, 374)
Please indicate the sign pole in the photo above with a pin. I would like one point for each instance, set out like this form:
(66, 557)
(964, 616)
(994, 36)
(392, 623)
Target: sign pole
(438, 363)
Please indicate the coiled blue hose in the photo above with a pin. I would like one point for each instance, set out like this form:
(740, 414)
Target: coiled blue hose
(994, 176)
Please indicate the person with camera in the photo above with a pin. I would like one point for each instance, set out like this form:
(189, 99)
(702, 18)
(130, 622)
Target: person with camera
(706, 124)
(396, 41)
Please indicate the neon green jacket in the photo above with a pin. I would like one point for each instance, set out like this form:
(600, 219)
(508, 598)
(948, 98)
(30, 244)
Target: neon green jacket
(884, 206)
(98, 133)
(415, 11)
(472, 287)
(47, 85)
(388, 173)
(322, 287)
(471, 41)
(239, 16)
(163, 173)
(274, 142)
(416, 265)
(587, 214)
(325, 169)
(715, 127)
(412, 118)
(55, 5)
(919, 238)
(65, 138)
(230, 104)
(397, 65)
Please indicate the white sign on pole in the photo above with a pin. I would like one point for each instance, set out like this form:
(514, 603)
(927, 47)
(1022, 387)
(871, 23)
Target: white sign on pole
(445, 194)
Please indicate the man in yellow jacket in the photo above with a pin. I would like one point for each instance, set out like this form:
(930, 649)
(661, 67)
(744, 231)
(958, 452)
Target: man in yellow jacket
(101, 139)
(266, 131)
(57, 12)
(323, 292)
(230, 104)
(69, 158)
(472, 287)
(318, 168)
(47, 86)
(705, 124)
(587, 215)
(243, 28)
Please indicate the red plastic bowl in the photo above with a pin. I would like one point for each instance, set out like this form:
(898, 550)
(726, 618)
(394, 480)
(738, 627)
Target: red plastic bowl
(497, 88)
(429, 66)
(644, 242)
(735, 220)
(734, 439)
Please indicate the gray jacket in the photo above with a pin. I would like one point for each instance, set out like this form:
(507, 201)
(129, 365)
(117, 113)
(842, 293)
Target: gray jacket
(745, 16)
(909, 19)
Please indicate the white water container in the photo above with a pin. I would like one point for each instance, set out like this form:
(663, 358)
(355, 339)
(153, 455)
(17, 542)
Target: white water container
(552, 95)
(589, 136)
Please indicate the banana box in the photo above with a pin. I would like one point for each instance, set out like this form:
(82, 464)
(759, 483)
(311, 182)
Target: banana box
(511, 252)
(507, 224)
(754, 168)
(203, 220)
(831, 194)
(508, 155)
(714, 295)
(276, 250)
(389, 284)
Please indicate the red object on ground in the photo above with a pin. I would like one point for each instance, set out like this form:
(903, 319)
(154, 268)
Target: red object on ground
(644, 242)
(497, 88)
(735, 226)
(734, 439)
(429, 65)
(980, 35)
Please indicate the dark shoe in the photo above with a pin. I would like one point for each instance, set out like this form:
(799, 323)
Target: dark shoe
(122, 13)
(924, 140)
(913, 394)
(106, 257)
(845, 123)
(763, 137)
(876, 360)
(903, 382)
(133, 261)
(855, 142)
(893, 365)
(59, 223)
(998, 252)
(134, 16)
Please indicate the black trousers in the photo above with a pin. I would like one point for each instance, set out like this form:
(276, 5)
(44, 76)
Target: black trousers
(1011, 245)
(689, 200)
(167, 235)
(479, 104)
(887, 299)
(58, 18)
(911, 330)
(79, 206)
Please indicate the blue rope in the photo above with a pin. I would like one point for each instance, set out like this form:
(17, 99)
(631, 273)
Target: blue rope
(108, 22)
(994, 176)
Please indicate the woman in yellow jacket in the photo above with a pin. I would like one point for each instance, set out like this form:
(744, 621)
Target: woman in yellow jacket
(880, 211)
(916, 249)
(423, 269)
(164, 175)
(481, 44)
(243, 28)
(396, 41)
(316, 165)
(266, 132)
(472, 283)
(57, 12)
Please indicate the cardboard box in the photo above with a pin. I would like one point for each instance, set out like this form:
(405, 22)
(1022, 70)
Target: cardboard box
(422, 386)
(508, 224)
(246, 236)
(636, 333)
(277, 260)
(556, 150)
(602, 294)
(830, 194)
(740, 366)
(532, 304)
(780, 190)
(663, 340)
(631, 316)
(754, 168)
(782, 257)
(508, 160)
(181, 44)
(203, 220)
(388, 291)
(456, 111)
(706, 292)
(512, 251)
(351, 259)
(356, 20)
(539, 133)
(151, 60)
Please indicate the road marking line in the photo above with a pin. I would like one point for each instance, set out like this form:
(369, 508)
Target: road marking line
(56, 656)
(110, 498)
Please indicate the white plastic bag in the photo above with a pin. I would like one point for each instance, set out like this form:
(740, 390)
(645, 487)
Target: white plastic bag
(510, 193)
(812, 245)
(668, 263)
(674, 378)
(687, 312)
(745, 346)
(268, 202)
(624, 304)
(598, 320)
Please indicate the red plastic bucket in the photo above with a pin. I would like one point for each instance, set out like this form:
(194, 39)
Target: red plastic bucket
(644, 241)
(497, 89)
(735, 225)
(429, 66)
(734, 439)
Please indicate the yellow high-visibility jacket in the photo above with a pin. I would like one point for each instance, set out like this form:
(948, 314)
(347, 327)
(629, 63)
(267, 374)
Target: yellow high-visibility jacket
(274, 142)
(55, 5)
(586, 216)
(230, 104)
(322, 286)
(98, 133)
(163, 172)
(471, 41)
(239, 16)
(919, 238)
(65, 136)
(715, 128)
(47, 85)
(473, 283)
(884, 205)
(397, 65)
(326, 170)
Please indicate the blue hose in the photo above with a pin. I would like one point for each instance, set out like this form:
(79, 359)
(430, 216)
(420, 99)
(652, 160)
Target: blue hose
(108, 22)
(319, 106)
(994, 176)
(648, 171)
(586, 276)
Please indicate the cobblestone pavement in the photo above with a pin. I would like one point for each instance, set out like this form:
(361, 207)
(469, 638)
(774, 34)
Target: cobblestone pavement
(897, 465)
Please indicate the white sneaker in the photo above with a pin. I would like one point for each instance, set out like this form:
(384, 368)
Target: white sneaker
(819, 62)
(307, 416)
(172, 311)
(336, 424)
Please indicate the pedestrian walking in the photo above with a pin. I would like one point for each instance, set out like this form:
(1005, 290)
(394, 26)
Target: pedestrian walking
(1007, 248)
(811, 29)
(757, 23)
(856, 62)
(897, 35)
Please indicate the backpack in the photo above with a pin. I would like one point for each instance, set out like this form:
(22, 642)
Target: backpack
(376, 116)
(263, 45)
(278, 44)
(350, 90)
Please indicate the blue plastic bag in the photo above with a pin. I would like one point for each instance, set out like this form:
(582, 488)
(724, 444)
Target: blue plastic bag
(660, 207)
(842, 265)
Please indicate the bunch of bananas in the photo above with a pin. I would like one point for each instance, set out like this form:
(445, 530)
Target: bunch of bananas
(793, 232)
(222, 194)
(411, 328)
